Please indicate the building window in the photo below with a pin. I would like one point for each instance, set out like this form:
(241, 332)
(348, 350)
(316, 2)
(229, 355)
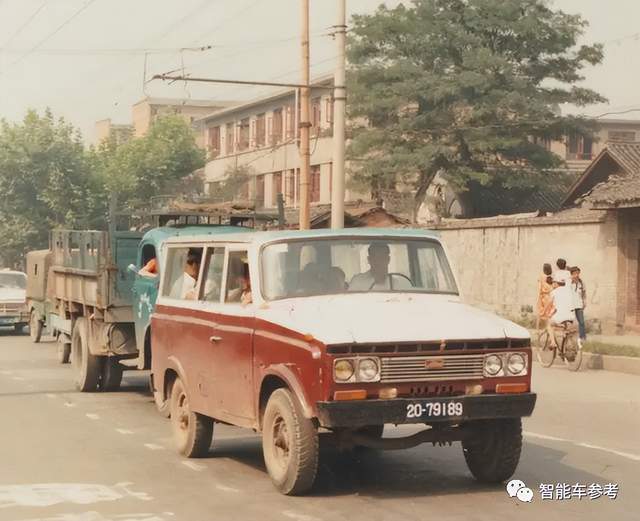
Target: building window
(214, 141)
(277, 187)
(261, 130)
(621, 135)
(291, 122)
(314, 184)
(244, 134)
(293, 186)
(276, 127)
(328, 108)
(230, 138)
(260, 191)
(579, 147)
(316, 116)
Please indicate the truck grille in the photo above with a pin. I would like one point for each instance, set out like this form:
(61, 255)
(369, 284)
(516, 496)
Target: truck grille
(431, 368)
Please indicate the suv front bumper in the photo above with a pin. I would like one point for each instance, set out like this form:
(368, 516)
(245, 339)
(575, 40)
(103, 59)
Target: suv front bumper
(11, 319)
(359, 413)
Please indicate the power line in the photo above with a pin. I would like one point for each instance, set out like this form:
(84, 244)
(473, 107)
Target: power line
(77, 13)
(110, 52)
(226, 20)
(26, 23)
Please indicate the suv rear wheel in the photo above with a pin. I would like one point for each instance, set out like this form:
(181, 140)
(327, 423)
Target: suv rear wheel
(192, 431)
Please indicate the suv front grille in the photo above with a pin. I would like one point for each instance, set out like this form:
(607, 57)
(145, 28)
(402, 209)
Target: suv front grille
(10, 307)
(431, 368)
(429, 347)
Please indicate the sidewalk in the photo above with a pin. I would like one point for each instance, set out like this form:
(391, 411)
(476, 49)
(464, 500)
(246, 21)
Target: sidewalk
(616, 340)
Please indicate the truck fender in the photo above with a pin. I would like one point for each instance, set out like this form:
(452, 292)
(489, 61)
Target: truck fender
(285, 373)
(174, 364)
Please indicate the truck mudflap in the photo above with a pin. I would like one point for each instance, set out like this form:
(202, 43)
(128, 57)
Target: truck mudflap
(437, 410)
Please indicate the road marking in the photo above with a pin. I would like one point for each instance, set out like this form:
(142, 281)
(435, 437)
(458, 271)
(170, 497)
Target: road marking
(92, 416)
(634, 457)
(49, 395)
(17, 378)
(194, 466)
(226, 489)
(69, 404)
(6, 373)
(153, 446)
(124, 431)
(299, 517)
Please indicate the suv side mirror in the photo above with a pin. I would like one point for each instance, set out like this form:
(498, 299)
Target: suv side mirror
(132, 268)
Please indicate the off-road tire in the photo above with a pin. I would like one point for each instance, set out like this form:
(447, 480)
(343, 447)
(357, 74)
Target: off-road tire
(85, 365)
(63, 350)
(35, 327)
(110, 375)
(192, 432)
(492, 451)
(292, 468)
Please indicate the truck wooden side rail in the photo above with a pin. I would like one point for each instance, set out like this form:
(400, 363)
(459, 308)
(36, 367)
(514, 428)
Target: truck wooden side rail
(91, 288)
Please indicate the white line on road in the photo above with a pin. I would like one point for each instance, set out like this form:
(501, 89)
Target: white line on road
(69, 404)
(153, 446)
(124, 431)
(299, 517)
(226, 489)
(634, 457)
(92, 416)
(194, 466)
(49, 395)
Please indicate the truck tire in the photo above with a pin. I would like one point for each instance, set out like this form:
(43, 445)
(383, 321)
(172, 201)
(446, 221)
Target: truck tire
(35, 327)
(192, 432)
(110, 375)
(19, 329)
(493, 450)
(63, 351)
(289, 444)
(85, 365)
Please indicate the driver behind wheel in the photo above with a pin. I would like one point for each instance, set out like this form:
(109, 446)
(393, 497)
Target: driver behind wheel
(378, 277)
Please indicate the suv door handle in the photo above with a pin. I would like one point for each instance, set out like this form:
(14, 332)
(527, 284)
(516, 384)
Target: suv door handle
(215, 339)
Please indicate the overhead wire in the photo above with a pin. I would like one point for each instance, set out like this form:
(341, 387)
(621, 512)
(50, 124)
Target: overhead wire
(26, 23)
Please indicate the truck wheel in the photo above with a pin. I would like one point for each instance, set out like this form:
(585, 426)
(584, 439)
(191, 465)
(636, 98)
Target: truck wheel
(64, 349)
(110, 375)
(35, 327)
(493, 450)
(289, 444)
(18, 328)
(193, 432)
(85, 365)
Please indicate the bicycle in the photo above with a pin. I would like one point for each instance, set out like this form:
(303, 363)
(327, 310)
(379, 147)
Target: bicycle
(569, 346)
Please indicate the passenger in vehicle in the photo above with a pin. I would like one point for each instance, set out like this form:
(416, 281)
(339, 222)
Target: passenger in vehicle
(336, 280)
(242, 290)
(185, 286)
(150, 269)
(378, 276)
(310, 281)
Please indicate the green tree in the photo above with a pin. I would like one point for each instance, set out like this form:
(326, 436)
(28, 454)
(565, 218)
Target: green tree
(466, 88)
(45, 182)
(151, 165)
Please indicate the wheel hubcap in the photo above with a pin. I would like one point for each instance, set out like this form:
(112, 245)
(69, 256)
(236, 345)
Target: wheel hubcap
(281, 442)
(183, 413)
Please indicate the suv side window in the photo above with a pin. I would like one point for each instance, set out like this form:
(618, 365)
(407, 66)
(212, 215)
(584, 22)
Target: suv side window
(214, 266)
(238, 289)
(181, 274)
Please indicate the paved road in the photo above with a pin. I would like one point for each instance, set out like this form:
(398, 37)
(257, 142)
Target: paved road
(67, 456)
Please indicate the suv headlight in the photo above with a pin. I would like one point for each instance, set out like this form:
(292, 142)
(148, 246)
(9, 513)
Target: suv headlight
(492, 365)
(516, 363)
(350, 370)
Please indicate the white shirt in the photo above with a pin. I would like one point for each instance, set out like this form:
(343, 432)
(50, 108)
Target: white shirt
(366, 282)
(182, 286)
(562, 298)
(563, 275)
(577, 289)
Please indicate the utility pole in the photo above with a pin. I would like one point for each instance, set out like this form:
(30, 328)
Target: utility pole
(339, 121)
(305, 124)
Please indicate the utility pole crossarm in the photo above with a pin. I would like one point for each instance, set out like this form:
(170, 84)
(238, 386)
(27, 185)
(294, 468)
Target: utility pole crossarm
(168, 77)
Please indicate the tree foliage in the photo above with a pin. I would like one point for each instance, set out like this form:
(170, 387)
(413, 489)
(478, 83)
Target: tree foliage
(470, 89)
(45, 182)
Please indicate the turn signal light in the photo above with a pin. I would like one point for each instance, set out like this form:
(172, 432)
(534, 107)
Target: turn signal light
(473, 389)
(388, 393)
(511, 388)
(358, 394)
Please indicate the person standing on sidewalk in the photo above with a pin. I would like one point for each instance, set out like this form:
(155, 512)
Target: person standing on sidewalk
(579, 300)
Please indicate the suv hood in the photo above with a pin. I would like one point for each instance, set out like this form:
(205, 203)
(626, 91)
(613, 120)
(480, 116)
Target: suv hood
(12, 295)
(371, 318)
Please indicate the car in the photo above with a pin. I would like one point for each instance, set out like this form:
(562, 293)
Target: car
(13, 299)
(292, 332)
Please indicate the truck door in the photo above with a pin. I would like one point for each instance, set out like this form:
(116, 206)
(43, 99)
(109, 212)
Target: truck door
(145, 293)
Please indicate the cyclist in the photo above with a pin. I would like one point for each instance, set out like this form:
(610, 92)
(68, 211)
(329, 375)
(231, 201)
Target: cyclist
(560, 307)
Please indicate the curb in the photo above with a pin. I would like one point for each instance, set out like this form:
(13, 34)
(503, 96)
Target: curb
(593, 361)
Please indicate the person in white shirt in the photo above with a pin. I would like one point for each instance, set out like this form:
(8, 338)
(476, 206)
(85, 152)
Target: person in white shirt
(378, 277)
(562, 273)
(560, 307)
(184, 287)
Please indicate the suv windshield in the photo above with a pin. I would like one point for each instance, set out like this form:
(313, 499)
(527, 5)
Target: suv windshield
(334, 266)
(13, 280)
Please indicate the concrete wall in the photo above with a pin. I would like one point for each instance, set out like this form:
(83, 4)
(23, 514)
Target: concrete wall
(498, 266)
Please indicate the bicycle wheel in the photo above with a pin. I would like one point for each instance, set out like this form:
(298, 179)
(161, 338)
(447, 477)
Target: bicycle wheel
(572, 350)
(546, 353)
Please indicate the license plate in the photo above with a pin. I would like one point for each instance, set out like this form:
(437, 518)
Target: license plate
(450, 409)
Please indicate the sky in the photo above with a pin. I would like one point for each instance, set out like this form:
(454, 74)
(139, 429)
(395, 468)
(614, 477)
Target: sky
(88, 59)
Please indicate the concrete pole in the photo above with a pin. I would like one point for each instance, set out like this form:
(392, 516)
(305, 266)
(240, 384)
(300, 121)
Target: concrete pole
(339, 121)
(305, 124)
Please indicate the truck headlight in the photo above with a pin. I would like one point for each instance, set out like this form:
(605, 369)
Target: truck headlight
(368, 370)
(343, 370)
(516, 363)
(492, 365)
